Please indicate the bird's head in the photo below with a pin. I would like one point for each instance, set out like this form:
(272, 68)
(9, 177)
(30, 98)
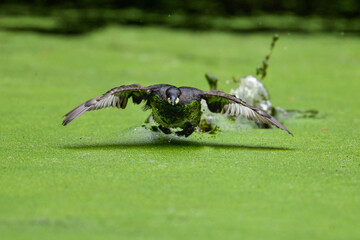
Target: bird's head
(173, 95)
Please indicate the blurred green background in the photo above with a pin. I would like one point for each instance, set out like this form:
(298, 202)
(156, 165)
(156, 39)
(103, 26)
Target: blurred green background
(106, 177)
(73, 17)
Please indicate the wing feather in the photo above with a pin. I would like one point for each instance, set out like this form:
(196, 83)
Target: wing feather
(117, 97)
(230, 105)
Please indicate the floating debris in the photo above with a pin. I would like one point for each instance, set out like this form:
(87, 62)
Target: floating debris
(253, 91)
(212, 81)
(265, 64)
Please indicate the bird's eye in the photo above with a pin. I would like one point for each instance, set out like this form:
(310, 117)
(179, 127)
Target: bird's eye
(176, 100)
(169, 100)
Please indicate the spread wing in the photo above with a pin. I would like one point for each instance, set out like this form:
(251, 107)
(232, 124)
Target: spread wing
(220, 102)
(116, 97)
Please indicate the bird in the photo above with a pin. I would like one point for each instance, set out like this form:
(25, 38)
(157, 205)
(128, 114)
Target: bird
(174, 107)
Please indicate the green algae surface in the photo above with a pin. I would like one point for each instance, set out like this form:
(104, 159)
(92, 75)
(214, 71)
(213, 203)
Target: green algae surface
(104, 177)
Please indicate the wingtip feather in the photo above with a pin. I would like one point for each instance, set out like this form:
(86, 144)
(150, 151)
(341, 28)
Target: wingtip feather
(75, 113)
(277, 124)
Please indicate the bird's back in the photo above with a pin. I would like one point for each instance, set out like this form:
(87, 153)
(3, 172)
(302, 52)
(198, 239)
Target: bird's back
(190, 94)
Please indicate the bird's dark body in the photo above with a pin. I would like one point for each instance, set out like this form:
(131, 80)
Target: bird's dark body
(176, 116)
(186, 114)
(174, 107)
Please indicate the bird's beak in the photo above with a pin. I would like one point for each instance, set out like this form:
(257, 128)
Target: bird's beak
(173, 101)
